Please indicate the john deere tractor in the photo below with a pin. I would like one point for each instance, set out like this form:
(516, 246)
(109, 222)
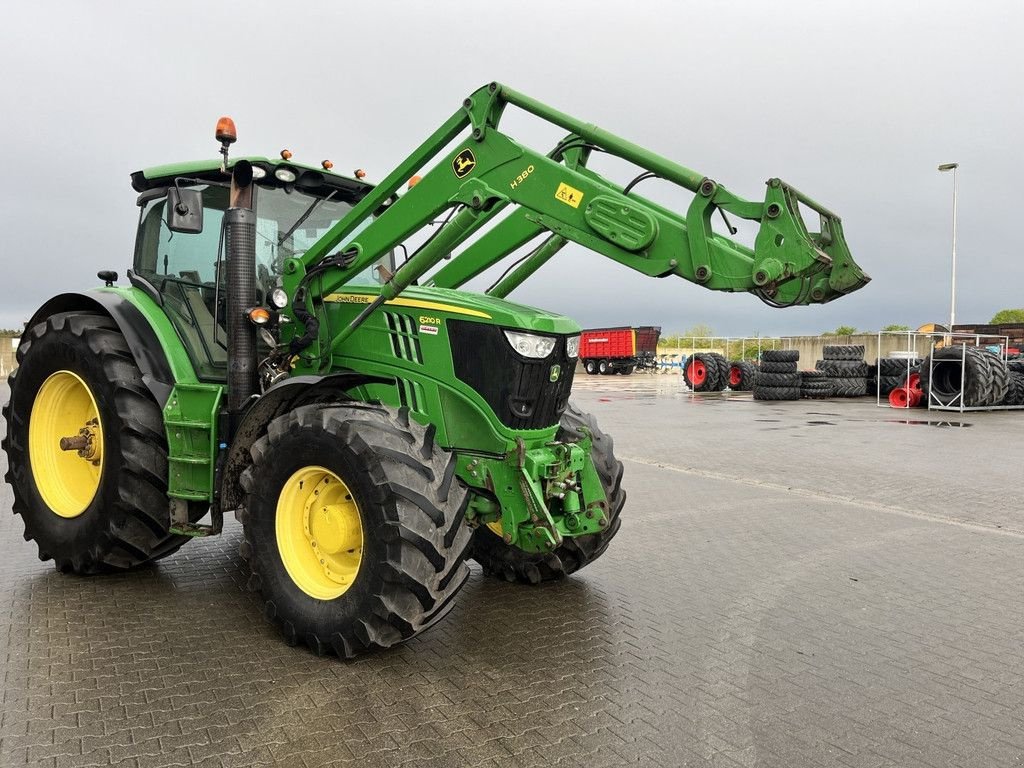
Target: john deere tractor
(281, 349)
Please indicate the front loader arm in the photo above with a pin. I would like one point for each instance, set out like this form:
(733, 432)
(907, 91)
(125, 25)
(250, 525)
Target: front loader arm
(557, 197)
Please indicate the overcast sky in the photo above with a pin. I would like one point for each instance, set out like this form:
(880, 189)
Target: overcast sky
(855, 103)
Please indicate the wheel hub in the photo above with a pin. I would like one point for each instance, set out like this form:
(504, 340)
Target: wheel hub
(85, 443)
(334, 530)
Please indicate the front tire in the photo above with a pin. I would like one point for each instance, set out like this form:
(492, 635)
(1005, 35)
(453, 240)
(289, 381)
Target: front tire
(365, 565)
(103, 506)
(503, 561)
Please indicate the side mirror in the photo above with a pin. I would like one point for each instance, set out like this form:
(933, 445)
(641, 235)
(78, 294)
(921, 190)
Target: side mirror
(185, 210)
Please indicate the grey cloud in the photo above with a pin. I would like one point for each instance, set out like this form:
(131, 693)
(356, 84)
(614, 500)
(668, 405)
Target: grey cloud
(854, 103)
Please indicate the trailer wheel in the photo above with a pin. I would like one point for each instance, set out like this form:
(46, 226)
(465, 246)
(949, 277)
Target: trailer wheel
(628, 370)
(590, 367)
(353, 527)
(100, 503)
(503, 561)
(604, 368)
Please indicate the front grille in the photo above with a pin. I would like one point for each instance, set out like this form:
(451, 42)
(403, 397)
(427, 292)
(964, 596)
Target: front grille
(519, 389)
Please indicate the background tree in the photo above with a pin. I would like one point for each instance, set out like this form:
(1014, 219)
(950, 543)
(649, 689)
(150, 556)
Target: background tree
(842, 330)
(1008, 316)
(896, 327)
(699, 331)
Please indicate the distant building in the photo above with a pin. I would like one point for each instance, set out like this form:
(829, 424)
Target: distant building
(1015, 331)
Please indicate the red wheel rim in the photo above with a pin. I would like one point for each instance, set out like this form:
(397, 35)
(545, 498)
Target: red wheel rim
(899, 397)
(697, 372)
(914, 382)
(735, 376)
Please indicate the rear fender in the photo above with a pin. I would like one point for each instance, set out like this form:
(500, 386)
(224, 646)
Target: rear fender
(141, 338)
(282, 397)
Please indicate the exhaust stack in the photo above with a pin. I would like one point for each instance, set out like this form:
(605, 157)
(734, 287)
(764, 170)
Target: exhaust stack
(240, 254)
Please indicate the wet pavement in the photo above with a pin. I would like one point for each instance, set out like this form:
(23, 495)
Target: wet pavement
(795, 584)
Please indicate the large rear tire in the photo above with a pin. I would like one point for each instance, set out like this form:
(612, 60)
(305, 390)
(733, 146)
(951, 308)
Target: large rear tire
(103, 506)
(354, 527)
(506, 562)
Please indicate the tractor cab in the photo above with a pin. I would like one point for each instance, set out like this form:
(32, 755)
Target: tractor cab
(179, 248)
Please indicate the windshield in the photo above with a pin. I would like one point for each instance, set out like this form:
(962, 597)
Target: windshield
(288, 222)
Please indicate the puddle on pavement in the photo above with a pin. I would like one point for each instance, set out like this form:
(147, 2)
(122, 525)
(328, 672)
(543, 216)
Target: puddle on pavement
(939, 424)
(821, 423)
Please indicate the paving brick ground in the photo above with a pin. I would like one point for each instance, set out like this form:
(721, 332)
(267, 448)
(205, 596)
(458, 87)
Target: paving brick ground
(795, 584)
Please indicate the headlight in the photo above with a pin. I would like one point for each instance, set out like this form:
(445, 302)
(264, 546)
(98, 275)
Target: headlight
(572, 346)
(279, 299)
(287, 175)
(257, 172)
(530, 344)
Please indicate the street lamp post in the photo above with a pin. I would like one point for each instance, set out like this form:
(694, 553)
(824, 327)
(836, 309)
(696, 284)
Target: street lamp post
(952, 291)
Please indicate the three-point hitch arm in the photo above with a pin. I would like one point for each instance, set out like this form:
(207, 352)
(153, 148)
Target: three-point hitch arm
(558, 199)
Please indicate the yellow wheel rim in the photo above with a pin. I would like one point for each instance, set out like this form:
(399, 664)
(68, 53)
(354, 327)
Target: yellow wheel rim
(65, 444)
(496, 527)
(319, 533)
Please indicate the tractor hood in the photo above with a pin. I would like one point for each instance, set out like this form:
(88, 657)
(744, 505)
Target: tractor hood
(445, 302)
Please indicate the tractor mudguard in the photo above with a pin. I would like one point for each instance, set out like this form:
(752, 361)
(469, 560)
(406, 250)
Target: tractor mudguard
(282, 397)
(141, 338)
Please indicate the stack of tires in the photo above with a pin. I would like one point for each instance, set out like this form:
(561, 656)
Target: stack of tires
(777, 377)
(815, 385)
(980, 376)
(844, 366)
(741, 376)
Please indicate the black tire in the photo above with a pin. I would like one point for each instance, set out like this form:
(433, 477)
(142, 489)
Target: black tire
(749, 373)
(763, 379)
(776, 393)
(126, 523)
(503, 561)
(604, 368)
(745, 373)
(1014, 389)
(1015, 366)
(772, 367)
(896, 367)
(812, 376)
(411, 510)
(855, 387)
(590, 367)
(843, 369)
(818, 392)
(843, 352)
(887, 384)
(628, 370)
(984, 375)
(723, 372)
(710, 382)
(780, 356)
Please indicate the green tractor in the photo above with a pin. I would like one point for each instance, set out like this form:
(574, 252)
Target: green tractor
(280, 351)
